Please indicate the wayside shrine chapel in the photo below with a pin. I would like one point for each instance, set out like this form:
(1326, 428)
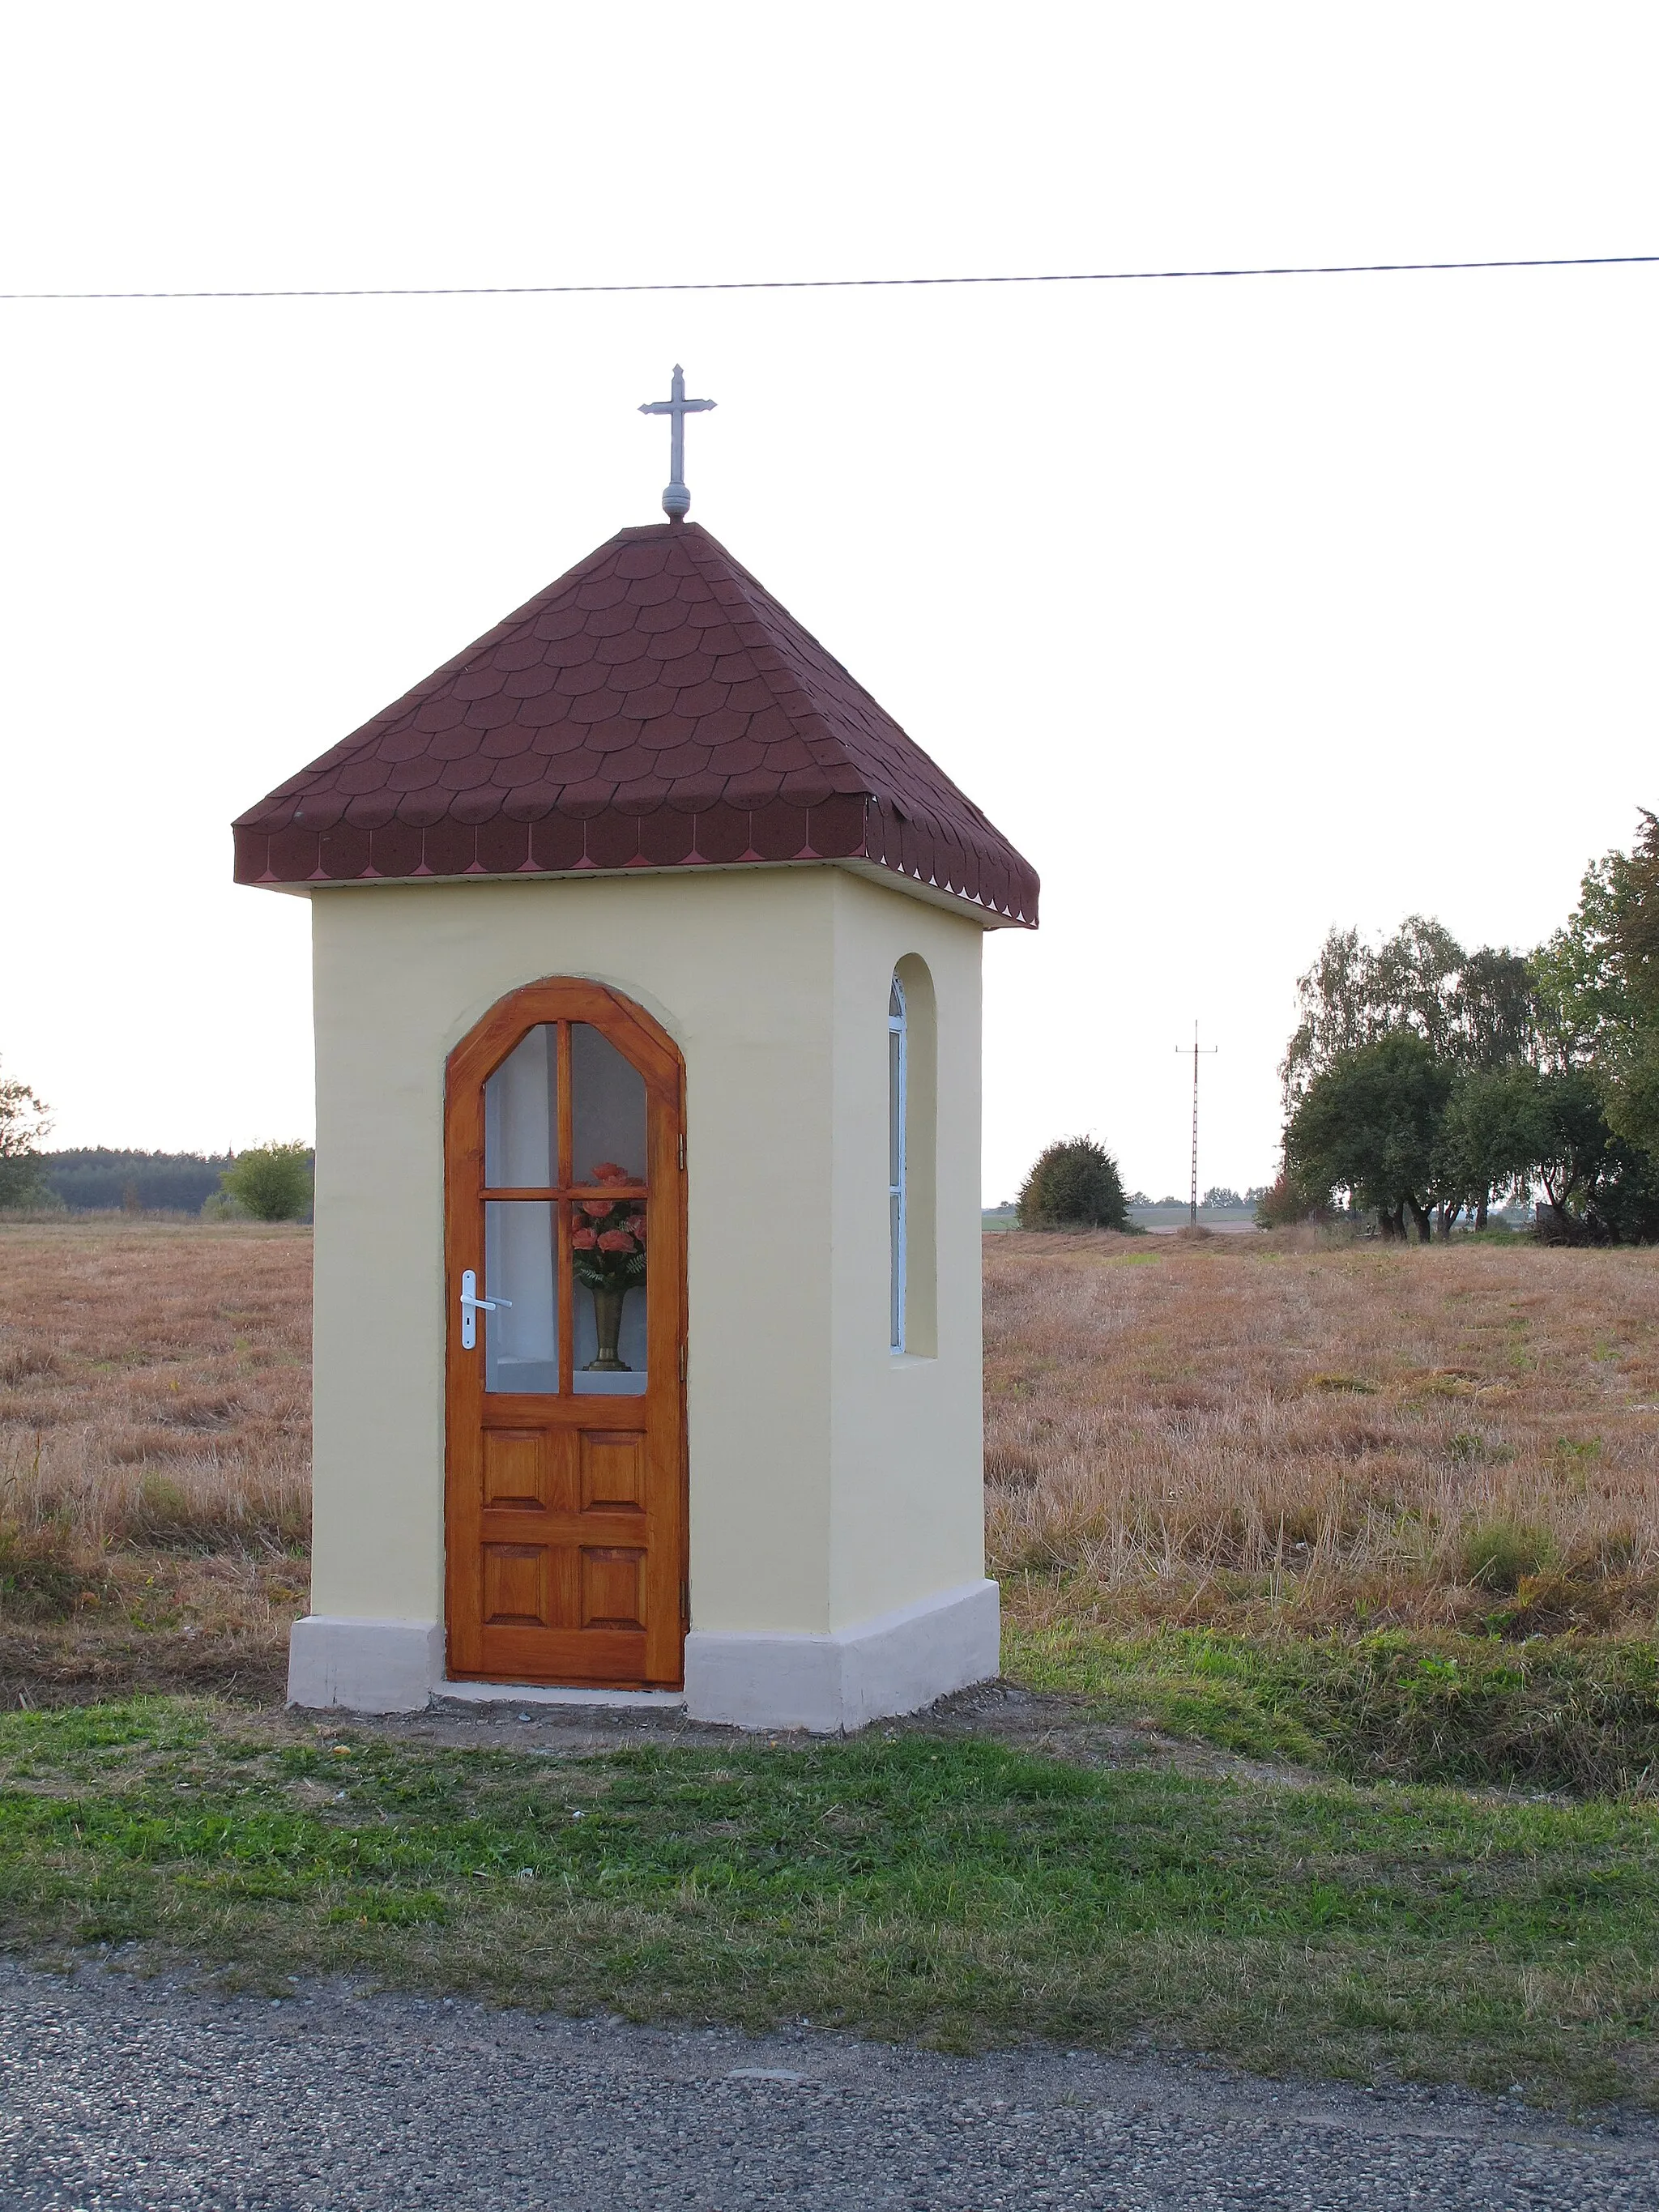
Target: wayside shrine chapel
(646, 981)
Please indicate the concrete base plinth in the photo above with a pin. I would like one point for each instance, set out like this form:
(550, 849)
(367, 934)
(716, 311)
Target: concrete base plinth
(829, 1684)
(870, 1671)
(364, 1666)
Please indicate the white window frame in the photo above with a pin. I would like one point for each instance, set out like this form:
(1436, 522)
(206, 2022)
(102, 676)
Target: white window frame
(897, 1211)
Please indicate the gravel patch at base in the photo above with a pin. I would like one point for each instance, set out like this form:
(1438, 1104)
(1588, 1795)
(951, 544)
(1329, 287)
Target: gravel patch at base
(1049, 1724)
(122, 2095)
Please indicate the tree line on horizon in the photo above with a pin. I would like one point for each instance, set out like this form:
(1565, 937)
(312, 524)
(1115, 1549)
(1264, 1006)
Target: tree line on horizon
(1425, 1083)
(263, 1182)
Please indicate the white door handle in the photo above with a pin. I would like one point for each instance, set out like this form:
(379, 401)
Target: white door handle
(472, 1305)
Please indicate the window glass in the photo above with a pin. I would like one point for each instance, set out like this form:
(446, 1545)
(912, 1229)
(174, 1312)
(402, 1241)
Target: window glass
(521, 1338)
(521, 1107)
(896, 1226)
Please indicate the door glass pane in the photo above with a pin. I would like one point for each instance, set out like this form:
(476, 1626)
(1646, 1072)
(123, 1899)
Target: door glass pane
(607, 1109)
(608, 1294)
(521, 1115)
(608, 1235)
(522, 1340)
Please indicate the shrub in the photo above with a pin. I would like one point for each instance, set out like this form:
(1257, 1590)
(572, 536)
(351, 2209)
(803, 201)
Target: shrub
(194, 1513)
(1499, 1555)
(23, 1183)
(1561, 1712)
(38, 1580)
(270, 1182)
(1074, 1184)
(1286, 1202)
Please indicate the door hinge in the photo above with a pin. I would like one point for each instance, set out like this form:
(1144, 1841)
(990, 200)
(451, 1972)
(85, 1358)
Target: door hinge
(682, 1155)
(685, 1603)
(682, 1363)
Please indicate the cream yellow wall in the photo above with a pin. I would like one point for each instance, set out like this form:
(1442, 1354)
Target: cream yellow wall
(907, 1514)
(827, 1480)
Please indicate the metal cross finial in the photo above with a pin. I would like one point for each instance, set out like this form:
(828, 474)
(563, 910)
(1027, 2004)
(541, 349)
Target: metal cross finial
(676, 500)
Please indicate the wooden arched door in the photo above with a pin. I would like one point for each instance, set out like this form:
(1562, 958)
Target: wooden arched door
(565, 1244)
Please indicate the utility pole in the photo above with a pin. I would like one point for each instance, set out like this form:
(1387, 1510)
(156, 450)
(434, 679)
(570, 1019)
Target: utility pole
(1208, 1050)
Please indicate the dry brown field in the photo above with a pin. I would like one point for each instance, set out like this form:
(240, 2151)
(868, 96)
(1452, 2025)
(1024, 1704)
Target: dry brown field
(1248, 1432)
(154, 1454)
(1283, 1431)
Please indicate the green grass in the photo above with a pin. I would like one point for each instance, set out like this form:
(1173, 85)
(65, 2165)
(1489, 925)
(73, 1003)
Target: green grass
(1556, 1713)
(944, 1888)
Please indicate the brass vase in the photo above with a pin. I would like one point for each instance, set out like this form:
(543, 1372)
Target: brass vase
(607, 1328)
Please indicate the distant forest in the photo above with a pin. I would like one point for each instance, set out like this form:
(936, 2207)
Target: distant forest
(174, 1183)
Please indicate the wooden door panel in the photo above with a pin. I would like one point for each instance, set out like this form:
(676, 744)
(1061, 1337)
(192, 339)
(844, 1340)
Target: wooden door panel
(613, 1586)
(515, 1586)
(565, 1516)
(606, 1658)
(515, 1468)
(613, 1469)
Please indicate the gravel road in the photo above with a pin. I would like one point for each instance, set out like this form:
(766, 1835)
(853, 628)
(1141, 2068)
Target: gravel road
(128, 2096)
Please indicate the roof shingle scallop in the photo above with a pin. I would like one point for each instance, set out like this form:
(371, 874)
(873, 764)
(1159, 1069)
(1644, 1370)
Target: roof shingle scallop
(656, 707)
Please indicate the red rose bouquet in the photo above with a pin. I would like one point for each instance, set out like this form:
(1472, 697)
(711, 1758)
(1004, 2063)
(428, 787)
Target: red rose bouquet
(607, 1238)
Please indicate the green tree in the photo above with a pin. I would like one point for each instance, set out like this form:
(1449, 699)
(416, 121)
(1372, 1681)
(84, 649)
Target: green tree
(1597, 982)
(1638, 920)
(1571, 1143)
(1630, 1092)
(1622, 1205)
(1417, 972)
(1491, 1136)
(1600, 1188)
(1523, 1125)
(1074, 1184)
(1473, 1008)
(1630, 1074)
(1550, 1065)
(1370, 1124)
(1578, 974)
(1337, 1001)
(23, 1122)
(270, 1182)
(1493, 1009)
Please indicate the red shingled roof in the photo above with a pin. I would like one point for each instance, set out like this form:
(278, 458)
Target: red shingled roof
(655, 708)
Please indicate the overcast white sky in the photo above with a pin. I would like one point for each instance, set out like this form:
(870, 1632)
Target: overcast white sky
(1242, 608)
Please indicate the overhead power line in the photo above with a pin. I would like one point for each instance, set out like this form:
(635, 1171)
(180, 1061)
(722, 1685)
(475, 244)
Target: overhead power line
(850, 283)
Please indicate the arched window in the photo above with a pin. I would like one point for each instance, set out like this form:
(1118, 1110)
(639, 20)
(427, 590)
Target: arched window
(897, 1056)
